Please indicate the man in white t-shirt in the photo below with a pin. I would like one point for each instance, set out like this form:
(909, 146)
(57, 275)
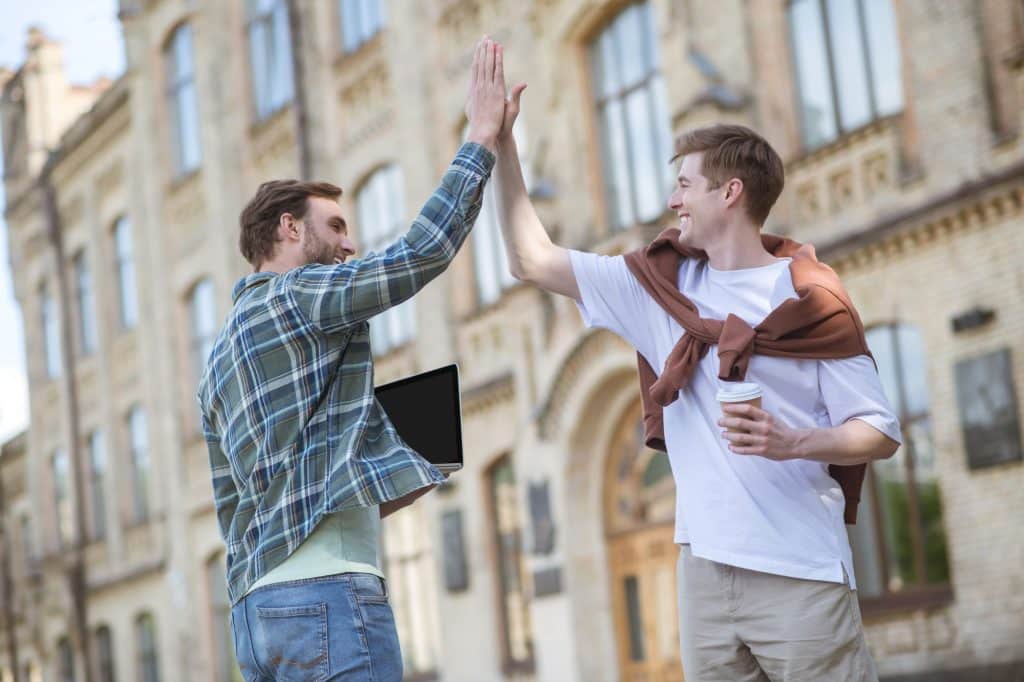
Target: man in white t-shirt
(766, 583)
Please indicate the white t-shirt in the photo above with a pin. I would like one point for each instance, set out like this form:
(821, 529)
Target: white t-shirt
(784, 518)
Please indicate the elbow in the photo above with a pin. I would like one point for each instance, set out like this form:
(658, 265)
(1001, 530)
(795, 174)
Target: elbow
(887, 448)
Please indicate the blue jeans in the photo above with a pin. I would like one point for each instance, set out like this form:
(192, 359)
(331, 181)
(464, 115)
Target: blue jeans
(338, 627)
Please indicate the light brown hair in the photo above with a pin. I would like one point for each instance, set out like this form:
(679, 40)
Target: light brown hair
(734, 151)
(261, 216)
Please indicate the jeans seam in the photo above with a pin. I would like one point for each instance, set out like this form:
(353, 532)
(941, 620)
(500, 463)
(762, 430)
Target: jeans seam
(362, 632)
(252, 649)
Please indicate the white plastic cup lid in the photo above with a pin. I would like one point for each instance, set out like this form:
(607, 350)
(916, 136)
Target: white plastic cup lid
(737, 391)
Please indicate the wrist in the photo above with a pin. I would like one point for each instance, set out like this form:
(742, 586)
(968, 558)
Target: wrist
(488, 141)
(803, 443)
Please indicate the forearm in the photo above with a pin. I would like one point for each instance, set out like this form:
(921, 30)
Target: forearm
(854, 442)
(527, 242)
(388, 508)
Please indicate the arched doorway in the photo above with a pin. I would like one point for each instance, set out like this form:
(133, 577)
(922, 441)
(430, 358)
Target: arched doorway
(639, 513)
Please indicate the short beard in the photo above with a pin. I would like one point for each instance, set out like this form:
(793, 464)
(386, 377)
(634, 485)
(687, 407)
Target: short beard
(315, 251)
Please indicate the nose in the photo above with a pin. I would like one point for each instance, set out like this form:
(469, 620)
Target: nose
(347, 247)
(675, 200)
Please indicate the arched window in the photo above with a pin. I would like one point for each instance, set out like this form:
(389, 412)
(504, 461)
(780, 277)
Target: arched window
(146, 649)
(65, 661)
(633, 115)
(182, 102)
(103, 654)
(506, 521)
(898, 542)
(380, 206)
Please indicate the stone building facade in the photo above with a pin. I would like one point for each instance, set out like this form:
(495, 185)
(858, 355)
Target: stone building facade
(550, 556)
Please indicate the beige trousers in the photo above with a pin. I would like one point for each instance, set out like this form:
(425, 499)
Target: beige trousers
(737, 625)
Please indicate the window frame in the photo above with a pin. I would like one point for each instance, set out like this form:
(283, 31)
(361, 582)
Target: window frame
(147, 659)
(127, 277)
(266, 102)
(85, 299)
(834, 98)
(653, 83)
(177, 83)
(97, 484)
(136, 427)
(53, 362)
(921, 593)
(103, 656)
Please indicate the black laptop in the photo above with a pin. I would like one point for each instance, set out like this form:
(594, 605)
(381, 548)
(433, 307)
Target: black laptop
(427, 413)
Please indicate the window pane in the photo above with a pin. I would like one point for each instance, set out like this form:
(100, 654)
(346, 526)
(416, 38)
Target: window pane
(98, 468)
(514, 609)
(483, 246)
(884, 52)
(914, 369)
(645, 161)
(281, 77)
(631, 588)
(126, 274)
(204, 324)
(867, 553)
(617, 182)
(895, 516)
(606, 72)
(189, 149)
(630, 40)
(350, 23)
(104, 653)
(140, 463)
(51, 335)
(851, 68)
(86, 304)
(62, 496)
(811, 57)
(936, 559)
(881, 341)
(259, 55)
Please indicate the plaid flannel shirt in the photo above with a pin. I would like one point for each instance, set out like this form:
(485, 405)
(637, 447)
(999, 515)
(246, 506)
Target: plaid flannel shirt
(291, 423)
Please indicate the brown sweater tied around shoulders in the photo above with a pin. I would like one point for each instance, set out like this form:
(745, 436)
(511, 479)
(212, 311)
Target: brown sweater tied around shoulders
(821, 323)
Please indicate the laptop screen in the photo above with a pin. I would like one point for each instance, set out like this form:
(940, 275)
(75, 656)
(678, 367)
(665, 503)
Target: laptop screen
(426, 412)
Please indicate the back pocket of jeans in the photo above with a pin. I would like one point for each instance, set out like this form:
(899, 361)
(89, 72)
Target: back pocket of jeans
(295, 640)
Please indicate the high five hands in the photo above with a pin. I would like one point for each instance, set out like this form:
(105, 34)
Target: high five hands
(490, 113)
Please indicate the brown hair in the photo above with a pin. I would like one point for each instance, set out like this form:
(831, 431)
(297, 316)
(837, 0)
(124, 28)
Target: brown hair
(260, 217)
(734, 151)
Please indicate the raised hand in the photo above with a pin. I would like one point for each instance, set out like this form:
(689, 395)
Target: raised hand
(485, 103)
(512, 102)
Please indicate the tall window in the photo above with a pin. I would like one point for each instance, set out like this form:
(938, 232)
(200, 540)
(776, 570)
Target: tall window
(226, 667)
(148, 669)
(270, 53)
(103, 654)
(62, 495)
(635, 137)
(380, 206)
(86, 299)
(65, 661)
(847, 61)
(411, 582)
(899, 543)
(27, 545)
(139, 449)
(181, 100)
(203, 312)
(517, 633)
(97, 490)
(490, 257)
(51, 333)
(128, 294)
(360, 21)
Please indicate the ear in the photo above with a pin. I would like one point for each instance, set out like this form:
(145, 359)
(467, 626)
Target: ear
(288, 228)
(733, 191)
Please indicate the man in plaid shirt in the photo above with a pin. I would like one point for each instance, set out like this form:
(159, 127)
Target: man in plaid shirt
(304, 461)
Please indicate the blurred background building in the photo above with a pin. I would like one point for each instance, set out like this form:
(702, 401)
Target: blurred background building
(550, 556)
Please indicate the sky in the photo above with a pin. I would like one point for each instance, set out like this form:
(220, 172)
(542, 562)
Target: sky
(93, 47)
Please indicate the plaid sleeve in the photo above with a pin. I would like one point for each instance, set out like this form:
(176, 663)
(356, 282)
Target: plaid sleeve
(225, 495)
(334, 297)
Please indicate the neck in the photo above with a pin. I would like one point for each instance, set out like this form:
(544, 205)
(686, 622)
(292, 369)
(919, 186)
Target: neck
(740, 247)
(278, 265)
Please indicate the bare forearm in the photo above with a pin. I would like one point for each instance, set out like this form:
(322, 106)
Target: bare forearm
(526, 240)
(854, 442)
(391, 507)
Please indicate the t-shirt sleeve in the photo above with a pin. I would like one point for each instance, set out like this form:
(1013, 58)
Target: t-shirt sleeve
(851, 389)
(612, 299)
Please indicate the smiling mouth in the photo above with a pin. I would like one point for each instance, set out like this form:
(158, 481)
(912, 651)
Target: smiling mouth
(338, 261)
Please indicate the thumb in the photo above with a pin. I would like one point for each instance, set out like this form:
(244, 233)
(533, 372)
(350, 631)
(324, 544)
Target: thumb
(517, 92)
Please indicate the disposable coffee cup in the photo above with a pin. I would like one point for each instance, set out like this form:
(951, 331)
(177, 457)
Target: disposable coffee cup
(739, 393)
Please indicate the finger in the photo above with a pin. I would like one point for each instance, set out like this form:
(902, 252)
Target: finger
(748, 450)
(489, 62)
(478, 63)
(738, 423)
(499, 65)
(517, 92)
